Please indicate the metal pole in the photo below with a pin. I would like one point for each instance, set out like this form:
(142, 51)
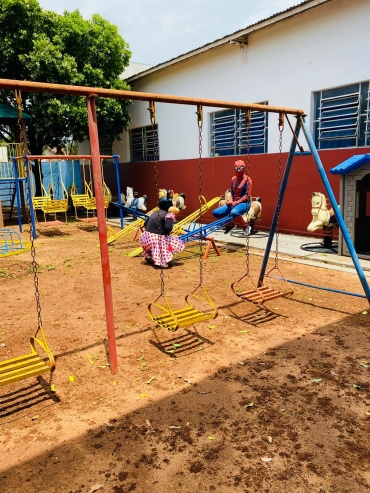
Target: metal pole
(139, 96)
(116, 163)
(104, 254)
(30, 202)
(336, 210)
(16, 178)
(279, 202)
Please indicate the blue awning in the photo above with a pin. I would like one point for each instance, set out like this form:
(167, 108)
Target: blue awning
(351, 164)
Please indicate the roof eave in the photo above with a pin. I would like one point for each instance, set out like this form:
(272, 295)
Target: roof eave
(236, 37)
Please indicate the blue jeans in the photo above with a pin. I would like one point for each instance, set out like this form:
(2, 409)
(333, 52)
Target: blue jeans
(236, 211)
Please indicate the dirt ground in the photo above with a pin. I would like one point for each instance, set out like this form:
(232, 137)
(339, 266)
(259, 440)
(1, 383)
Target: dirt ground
(272, 399)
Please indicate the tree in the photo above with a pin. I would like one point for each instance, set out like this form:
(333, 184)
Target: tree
(41, 45)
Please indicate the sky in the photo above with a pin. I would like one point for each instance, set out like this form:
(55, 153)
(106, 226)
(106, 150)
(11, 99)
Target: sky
(158, 30)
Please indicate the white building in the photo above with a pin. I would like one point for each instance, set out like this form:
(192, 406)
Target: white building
(313, 56)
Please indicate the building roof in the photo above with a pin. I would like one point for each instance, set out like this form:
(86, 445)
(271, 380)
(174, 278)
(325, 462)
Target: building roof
(238, 37)
(9, 114)
(351, 164)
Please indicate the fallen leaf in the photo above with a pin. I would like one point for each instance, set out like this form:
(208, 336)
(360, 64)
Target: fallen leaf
(364, 313)
(96, 487)
(251, 404)
(176, 345)
(356, 386)
(71, 378)
(266, 459)
(241, 363)
(316, 380)
(365, 366)
(35, 417)
(144, 395)
(52, 388)
(211, 438)
(244, 331)
(114, 382)
(367, 414)
(212, 327)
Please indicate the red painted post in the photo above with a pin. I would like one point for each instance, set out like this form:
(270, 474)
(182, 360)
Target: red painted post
(104, 254)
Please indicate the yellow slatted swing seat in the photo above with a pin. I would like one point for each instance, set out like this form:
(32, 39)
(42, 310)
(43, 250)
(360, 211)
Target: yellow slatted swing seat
(261, 293)
(31, 364)
(39, 200)
(87, 199)
(168, 318)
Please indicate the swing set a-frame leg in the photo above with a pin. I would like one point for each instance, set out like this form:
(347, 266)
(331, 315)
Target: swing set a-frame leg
(211, 242)
(301, 124)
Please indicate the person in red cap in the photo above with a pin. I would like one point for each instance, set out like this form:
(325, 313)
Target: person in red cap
(240, 200)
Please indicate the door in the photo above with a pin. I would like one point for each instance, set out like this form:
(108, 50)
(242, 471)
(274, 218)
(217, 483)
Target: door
(362, 221)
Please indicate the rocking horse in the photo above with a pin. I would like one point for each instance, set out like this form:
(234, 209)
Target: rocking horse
(321, 215)
(129, 200)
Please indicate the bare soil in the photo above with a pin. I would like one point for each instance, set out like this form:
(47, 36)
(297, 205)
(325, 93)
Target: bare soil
(271, 399)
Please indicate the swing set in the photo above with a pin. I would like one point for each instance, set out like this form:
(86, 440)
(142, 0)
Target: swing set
(168, 317)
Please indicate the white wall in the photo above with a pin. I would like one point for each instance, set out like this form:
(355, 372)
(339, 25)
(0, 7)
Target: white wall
(325, 47)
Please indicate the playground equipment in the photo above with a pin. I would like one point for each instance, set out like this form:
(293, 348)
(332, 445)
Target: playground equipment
(86, 199)
(163, 314)
(321, 215)
(11, 243)
(90, 94)
(54, 198)
(186, 224)
(130, 200)
(260, 293)
(30, 364)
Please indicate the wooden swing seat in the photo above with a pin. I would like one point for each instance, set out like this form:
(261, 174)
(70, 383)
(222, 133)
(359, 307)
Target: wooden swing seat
(262, 294)
(28, 365)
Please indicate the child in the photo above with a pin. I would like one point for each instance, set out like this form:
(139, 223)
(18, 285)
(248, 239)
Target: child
(156, 241)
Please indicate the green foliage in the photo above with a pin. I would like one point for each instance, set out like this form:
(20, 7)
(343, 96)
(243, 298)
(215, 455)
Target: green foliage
(41, 45)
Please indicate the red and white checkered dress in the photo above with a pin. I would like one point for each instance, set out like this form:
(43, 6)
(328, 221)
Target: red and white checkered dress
(161, 247)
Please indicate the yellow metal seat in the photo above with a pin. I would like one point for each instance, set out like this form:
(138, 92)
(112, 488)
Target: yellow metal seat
(28, 365)
(173, 319)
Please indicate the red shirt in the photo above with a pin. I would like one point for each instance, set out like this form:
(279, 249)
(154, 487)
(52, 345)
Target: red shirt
(241, 190)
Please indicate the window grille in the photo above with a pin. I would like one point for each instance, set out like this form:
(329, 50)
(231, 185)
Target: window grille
(228, 135)
(367, 127)
(142, 143)
(340, 116)
(106, 148)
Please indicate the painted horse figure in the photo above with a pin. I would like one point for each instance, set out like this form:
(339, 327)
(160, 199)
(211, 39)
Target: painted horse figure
(321, 215)
(129, 200)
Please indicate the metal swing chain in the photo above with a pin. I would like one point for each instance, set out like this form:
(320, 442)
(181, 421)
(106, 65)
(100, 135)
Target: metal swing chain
(278, 204)
(199, 114)
(156, 179)
(247, 135)
(34, 264)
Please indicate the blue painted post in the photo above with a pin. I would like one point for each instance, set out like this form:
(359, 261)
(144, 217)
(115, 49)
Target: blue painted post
(16, 178)
(30, 203)
(280, 199)
(116, 164)
(335, 207)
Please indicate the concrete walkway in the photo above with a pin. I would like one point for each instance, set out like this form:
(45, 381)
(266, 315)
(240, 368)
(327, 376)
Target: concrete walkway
(289, 249)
